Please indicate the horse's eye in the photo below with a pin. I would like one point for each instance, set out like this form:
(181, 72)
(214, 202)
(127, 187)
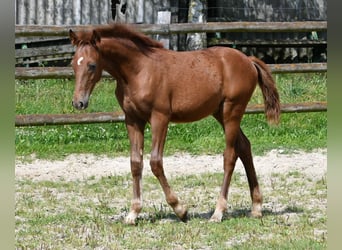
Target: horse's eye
(91, 66)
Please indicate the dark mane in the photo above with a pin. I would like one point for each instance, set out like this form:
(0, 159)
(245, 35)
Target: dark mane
(124, 32)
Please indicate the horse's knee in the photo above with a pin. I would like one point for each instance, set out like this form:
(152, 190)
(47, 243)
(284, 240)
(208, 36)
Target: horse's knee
(136, 167)
(156, 164)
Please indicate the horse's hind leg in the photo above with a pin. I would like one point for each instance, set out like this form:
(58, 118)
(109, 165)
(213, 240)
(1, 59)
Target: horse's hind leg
(229, 116)
(243, 149)
(159, 125)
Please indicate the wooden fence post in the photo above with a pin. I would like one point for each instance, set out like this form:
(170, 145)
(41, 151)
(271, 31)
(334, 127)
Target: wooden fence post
(197, 14)
(164, 17)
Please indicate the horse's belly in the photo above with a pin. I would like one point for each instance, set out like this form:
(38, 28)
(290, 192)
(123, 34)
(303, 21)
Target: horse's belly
(194, 109)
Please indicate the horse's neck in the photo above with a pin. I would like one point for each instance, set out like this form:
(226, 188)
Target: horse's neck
(119, 60)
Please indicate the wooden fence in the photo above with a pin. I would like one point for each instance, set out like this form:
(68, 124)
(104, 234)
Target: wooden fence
(42, 44)
(165, 29)
(113, 117)
(177, 28)
(67, 72)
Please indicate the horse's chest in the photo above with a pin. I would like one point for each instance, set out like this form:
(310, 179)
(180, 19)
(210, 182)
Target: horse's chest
(136, 106)
(141, 99)
(129, 104)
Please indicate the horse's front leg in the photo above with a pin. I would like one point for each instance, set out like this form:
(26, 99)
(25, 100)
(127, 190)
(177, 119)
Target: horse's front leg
(136, 136)
(159, 124)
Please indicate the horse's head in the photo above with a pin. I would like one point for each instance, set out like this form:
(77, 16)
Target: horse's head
(87, 66)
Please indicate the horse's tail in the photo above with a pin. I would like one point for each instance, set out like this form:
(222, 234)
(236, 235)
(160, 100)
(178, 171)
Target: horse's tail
(269, 91)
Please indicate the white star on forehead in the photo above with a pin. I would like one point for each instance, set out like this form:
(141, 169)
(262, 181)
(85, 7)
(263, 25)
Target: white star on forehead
(80, 60)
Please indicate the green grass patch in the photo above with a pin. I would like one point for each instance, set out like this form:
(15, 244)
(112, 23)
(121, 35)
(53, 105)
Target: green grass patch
(89, 214)
(304, 131)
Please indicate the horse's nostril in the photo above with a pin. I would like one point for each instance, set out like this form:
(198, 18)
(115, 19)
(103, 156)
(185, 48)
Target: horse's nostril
(78, 105)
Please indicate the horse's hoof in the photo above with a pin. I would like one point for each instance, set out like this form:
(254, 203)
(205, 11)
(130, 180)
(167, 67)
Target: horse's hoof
(184, 218)
(182, 212)
(215, 218)
(256, 214)
(131, 218)
(256, 211)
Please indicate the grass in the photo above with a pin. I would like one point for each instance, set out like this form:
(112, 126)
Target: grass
(304, 131)
(88, 214)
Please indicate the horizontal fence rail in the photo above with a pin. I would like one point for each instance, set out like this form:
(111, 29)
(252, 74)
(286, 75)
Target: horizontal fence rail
(67, 72)
(64, 52)
(177, 28)
(113, 117)
(293, 43)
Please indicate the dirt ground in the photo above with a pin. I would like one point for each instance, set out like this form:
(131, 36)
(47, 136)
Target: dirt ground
(83, 166)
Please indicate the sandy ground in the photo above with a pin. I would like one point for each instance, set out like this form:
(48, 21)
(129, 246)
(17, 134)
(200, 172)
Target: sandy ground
(83, 166)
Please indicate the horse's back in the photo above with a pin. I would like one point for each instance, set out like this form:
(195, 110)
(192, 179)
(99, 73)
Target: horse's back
(213, 66)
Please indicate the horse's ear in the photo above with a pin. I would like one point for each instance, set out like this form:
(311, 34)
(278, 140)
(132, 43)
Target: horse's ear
(73, 37)
(95, 38)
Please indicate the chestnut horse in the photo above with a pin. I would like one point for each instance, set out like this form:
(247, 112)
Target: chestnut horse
(158, 86)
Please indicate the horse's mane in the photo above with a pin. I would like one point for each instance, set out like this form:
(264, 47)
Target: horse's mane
(124, 32)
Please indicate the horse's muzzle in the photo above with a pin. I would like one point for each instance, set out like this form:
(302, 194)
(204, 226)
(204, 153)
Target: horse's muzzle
(79, 104)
